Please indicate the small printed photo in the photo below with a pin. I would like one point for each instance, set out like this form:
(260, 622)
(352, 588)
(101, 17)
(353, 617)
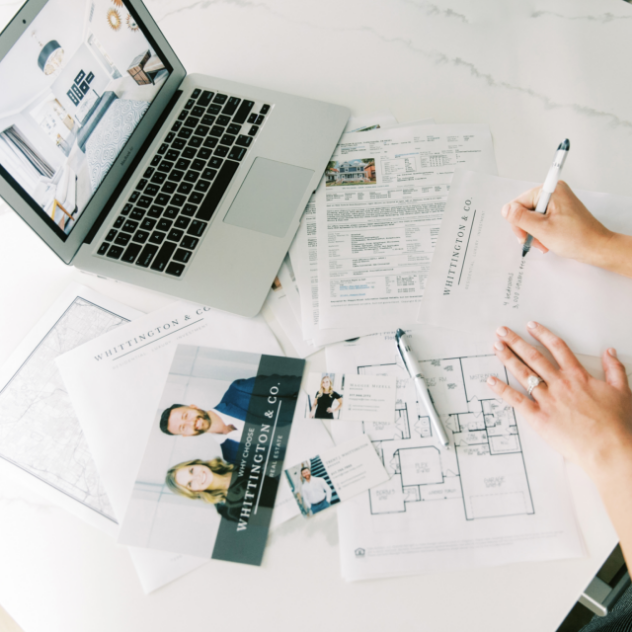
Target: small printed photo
(324, 396)
(348, 397)
(311, 486)
(350, 173)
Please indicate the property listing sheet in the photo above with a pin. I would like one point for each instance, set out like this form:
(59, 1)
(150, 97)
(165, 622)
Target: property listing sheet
(378, 215)
(304, 252)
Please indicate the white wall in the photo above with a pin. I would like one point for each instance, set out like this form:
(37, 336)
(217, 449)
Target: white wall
(122, 45)
(20, 76)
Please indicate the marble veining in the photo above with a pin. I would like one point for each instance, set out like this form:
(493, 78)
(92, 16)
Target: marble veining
(436, 57)
(604, 18)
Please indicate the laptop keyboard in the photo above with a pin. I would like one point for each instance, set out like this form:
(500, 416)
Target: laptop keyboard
(166, 216)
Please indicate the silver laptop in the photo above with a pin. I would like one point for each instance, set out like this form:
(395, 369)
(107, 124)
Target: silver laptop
(130, 169)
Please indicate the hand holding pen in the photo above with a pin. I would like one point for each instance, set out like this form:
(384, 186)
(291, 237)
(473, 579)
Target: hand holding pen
(568, 229)
(548, 188)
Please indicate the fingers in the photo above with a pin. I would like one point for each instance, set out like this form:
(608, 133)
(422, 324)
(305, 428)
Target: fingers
(614, 370)
(524, 217)
(522, 237)
(538, 245)
(529, 199)
(511, 396)
(559, 349)
(529, 360)
(519, 233)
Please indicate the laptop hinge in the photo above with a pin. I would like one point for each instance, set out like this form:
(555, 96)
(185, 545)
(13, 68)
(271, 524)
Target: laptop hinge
(128, 174)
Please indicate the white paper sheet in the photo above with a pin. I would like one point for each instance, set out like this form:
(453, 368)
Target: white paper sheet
(497, 495)
(479, 279)
(303, 253)
(381, 223)
(41, 441)
(304, 257)
(284, 302)
(114, 380)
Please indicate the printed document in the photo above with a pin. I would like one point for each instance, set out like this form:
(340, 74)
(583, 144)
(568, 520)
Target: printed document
(214, 499)
(479, 279)
(496, 495)
(379, 211)
(284, 302)
(114, 382)
(41, 441)
(304, 253)
(304, 256)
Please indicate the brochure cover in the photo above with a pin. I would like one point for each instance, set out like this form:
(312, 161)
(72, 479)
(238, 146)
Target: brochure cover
(210, 472)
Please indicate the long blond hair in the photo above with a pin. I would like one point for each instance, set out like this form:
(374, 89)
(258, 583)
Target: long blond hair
(213, 496)
(321, 391)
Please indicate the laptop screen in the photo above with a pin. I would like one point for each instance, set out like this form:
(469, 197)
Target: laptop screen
(72, 90)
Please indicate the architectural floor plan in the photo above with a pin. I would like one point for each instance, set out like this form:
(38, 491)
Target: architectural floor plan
(497, 494)
(485, 470)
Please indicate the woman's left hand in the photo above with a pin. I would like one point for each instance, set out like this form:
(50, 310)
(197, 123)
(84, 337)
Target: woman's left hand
(588, 420)
(330, 410)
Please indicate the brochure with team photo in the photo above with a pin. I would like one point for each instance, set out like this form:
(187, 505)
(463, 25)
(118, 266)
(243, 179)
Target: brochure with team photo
(344, 471)
(349, 397)
(210, 472)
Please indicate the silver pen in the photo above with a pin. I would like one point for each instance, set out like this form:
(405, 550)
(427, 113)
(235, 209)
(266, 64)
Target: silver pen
(552, 178)
(414, 370)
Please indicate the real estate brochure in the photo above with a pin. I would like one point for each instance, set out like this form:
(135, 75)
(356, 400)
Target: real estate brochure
(208, 479)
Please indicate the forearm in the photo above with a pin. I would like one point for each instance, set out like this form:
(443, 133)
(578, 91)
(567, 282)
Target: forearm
(615, 488)
(615, 255)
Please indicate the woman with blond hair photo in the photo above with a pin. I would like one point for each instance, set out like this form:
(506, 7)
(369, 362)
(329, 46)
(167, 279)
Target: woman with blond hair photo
(323, 406)
(204, 480)
(209, 481)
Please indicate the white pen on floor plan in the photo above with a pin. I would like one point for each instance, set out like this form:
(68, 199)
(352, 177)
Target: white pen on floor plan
(485, 470)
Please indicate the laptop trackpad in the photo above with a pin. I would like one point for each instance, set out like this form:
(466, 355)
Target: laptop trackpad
(269, 197)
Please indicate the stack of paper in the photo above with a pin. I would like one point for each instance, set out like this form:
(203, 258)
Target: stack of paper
(77, 432)
(364, 247)
(293, 298)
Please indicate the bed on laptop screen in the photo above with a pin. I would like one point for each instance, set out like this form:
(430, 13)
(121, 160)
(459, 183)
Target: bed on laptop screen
(105, 131)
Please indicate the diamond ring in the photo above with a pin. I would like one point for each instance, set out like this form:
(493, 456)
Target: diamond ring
(532, 382)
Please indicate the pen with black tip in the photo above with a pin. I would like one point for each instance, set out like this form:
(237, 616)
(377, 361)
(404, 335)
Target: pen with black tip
(552, 178)
(414, 370)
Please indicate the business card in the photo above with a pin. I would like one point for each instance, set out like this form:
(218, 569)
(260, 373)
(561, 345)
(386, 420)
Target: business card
(349, 397)
(344, 471)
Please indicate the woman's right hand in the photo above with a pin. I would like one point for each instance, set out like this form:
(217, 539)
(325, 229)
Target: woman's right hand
(568, 229)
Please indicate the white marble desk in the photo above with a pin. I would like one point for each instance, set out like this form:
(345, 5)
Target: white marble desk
(536, 71)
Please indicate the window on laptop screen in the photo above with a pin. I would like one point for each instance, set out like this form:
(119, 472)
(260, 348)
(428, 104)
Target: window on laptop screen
(72, 90)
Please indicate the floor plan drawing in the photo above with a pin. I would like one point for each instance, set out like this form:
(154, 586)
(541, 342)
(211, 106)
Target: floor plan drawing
(496, 494)
(484, 468)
